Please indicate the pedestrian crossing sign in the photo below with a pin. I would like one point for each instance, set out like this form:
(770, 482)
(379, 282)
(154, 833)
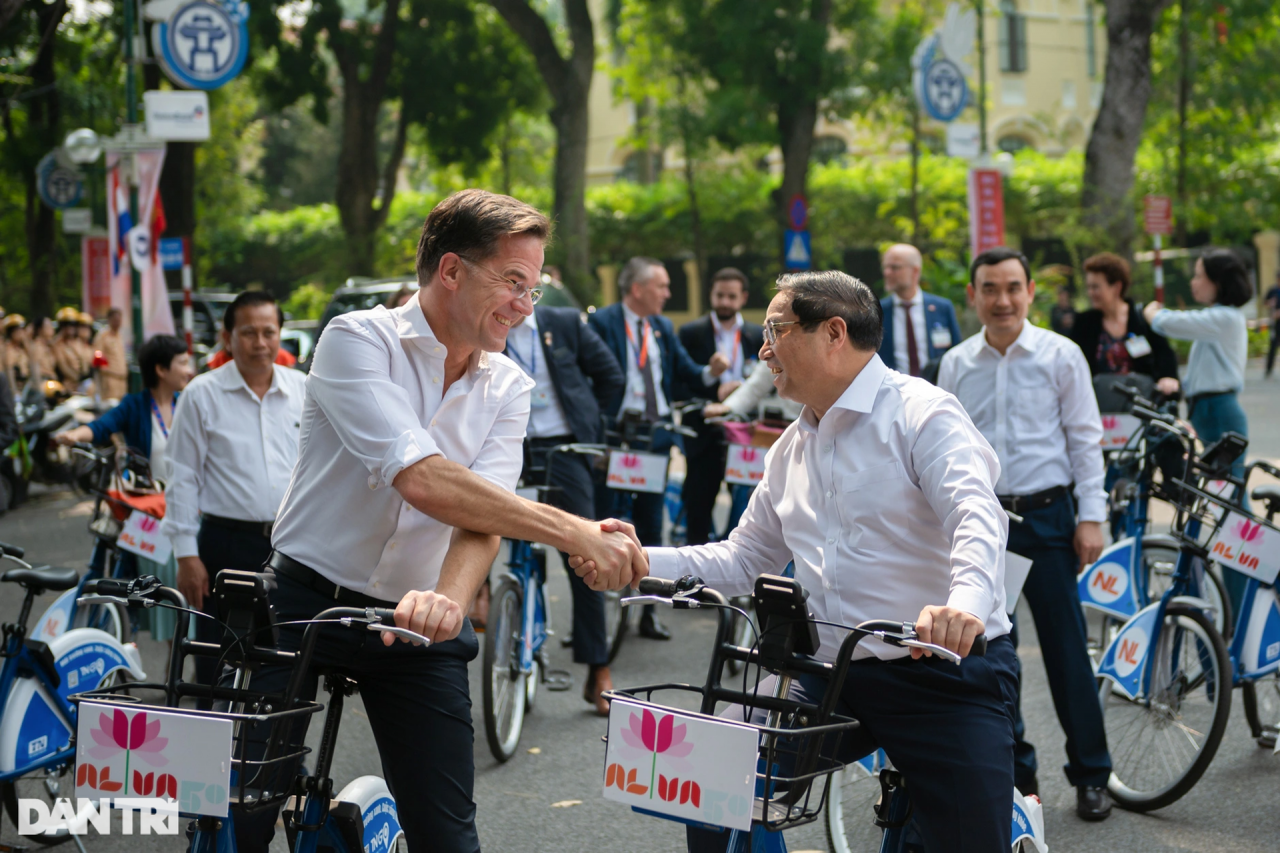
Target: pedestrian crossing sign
(797, 254)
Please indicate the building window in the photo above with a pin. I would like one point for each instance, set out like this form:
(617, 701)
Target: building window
(1013, 91)
(827, 149)
(1090, 39)
(1068, 94)
(1013, 143)
(1013, 38)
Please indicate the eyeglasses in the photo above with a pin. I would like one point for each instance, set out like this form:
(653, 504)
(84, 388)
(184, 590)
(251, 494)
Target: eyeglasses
(771, 329)
(518, 289)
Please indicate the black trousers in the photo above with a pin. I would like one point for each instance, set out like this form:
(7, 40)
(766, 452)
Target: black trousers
(704, 472)
(1045, 537)
(224, 548)
(571, 473)
(419, 708)
(947, 728)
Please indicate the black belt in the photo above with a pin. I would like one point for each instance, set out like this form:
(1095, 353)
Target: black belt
(316, 582)
(262, 528)
(1018, 504)
(553, 440)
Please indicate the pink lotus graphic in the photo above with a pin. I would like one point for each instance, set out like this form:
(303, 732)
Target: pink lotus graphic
(1248, 531)
(1110, 422)
(116, 731)
(657, 736)
(749, 454)
(630, 460)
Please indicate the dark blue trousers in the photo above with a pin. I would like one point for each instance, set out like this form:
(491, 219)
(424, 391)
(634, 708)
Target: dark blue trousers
(1046, 538)
(947, 728)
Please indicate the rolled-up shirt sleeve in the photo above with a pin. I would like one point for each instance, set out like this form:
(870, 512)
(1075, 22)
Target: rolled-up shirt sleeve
(186, 451)
(753, 548)
(351, 382)
(957, 471)
(1083, 426)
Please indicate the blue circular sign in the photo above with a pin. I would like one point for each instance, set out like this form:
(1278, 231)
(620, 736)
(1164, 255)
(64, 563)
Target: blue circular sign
(798, 212)
(204, 44)
(944, 92)
(58, 186)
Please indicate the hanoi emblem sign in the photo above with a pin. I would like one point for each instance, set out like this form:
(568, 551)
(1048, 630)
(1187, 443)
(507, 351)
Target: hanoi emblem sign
(204, 43)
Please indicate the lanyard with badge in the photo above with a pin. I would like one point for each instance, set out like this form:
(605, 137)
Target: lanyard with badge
(641, 355)
(539, 399)
(735, 353)
(159, 419)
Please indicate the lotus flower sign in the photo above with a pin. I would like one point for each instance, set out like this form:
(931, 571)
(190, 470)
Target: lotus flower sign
(683, 765)
(638, 472)
(745, 465)
(127, 752)
(1247, 545)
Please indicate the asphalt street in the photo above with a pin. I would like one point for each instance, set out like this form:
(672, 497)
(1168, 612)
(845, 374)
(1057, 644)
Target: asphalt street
(548, 797)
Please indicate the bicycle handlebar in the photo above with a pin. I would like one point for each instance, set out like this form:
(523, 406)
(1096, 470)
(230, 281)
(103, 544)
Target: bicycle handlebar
(12, 550)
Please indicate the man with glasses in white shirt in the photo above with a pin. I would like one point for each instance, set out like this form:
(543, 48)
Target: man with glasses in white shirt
(882, 493)
(231, 450)
(411, 445)
(1030, 393)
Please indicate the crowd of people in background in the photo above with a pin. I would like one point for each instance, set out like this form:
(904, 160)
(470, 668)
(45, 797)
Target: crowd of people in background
(227, 442)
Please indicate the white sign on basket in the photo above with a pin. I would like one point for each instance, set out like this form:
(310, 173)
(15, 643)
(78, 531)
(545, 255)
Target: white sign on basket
(745, 466)
(638, 472)
(1248, 546)
(682, 765)
(141, 535)
(1116, 430)
(143, 752)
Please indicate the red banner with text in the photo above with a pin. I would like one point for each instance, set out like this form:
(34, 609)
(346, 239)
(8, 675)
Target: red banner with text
(986, 210)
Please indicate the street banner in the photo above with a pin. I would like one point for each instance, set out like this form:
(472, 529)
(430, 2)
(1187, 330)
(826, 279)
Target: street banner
(986, 210)
(1157, 214)
(95, 275)
(157, 317)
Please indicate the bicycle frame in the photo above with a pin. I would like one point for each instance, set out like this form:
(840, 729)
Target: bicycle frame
(531, 574)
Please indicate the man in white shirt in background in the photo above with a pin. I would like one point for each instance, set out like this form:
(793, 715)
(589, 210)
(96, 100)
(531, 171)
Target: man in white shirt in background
(1030, 393)
(231, 450)
(883, 495)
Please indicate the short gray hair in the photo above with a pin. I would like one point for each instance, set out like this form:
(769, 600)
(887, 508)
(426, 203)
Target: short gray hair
(636, 270)
(818, 296)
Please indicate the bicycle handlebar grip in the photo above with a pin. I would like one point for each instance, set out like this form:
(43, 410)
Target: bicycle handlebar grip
(107, 586)
(13, 550)
(979, 646)
(657, 586)
(386, 615)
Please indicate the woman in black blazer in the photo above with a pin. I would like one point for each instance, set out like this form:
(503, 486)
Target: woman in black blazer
(1114, 335)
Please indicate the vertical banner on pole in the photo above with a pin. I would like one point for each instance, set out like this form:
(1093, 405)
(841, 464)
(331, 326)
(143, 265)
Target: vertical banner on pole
(95, 270)
(157, 316)
(986, 210)
(1157, 220)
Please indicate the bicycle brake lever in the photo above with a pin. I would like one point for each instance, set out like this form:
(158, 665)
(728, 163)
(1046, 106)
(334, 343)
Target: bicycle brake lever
(937, 650)
(676, 603)
(403, 633)
(112, 599)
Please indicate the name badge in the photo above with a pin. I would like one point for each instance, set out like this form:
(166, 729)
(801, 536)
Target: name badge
(1138, 346)
(540, 399)
(940, 337)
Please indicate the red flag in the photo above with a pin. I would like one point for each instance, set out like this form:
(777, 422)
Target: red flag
(158, 226)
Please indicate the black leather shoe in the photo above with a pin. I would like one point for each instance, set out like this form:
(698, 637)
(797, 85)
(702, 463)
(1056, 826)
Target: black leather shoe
(1031, 786)
(1093, 803)
(652, 629)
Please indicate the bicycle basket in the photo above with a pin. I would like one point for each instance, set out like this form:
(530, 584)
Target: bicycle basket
(795, 760)
(264, 757)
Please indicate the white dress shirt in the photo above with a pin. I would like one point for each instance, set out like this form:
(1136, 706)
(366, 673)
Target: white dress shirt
(1219, 350)
(916, 311)
(376, 405)
(886, 506)
(729, 342)
(230, 453)
(1036, 406)
(546, 415)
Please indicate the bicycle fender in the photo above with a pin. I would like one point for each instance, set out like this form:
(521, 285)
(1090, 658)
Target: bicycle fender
(378, 811)
(1260, 650)
(1124, 661)
(57, 618)
(1108, 584)
(1028, 823)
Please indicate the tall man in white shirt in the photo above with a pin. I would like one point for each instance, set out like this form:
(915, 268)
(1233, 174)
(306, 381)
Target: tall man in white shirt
(1030, 392)
(882, 493)
(411, 444)
(231, 451)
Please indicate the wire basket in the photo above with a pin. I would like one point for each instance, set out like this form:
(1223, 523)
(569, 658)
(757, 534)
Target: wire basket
(273, 736)
(796, 759)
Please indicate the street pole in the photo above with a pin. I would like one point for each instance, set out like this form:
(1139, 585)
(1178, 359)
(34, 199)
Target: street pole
(130, 168)
(982, 75)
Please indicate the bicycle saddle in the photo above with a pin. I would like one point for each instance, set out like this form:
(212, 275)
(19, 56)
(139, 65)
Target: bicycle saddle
(42, 578)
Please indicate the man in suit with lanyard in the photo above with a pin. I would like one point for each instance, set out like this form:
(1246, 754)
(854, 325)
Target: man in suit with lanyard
(722, 331)
(645, 343)
(918, 327)
(575, 377)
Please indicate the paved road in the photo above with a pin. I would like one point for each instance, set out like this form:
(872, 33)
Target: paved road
(548, 796)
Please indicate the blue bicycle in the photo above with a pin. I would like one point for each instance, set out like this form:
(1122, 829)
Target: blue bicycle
(265, 754)
(38, 717)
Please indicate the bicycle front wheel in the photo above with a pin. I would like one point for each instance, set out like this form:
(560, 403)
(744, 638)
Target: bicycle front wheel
(1162, 744)
(615, 622)
(504, 683)
(1160, 559)
(850, 810)
(47, 786)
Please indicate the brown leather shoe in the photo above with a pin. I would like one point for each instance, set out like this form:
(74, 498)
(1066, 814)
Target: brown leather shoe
(596, 685)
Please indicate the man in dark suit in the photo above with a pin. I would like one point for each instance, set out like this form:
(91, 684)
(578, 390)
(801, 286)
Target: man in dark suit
(655, 362)
(918, 327)
(722, 331)
(576, 377)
